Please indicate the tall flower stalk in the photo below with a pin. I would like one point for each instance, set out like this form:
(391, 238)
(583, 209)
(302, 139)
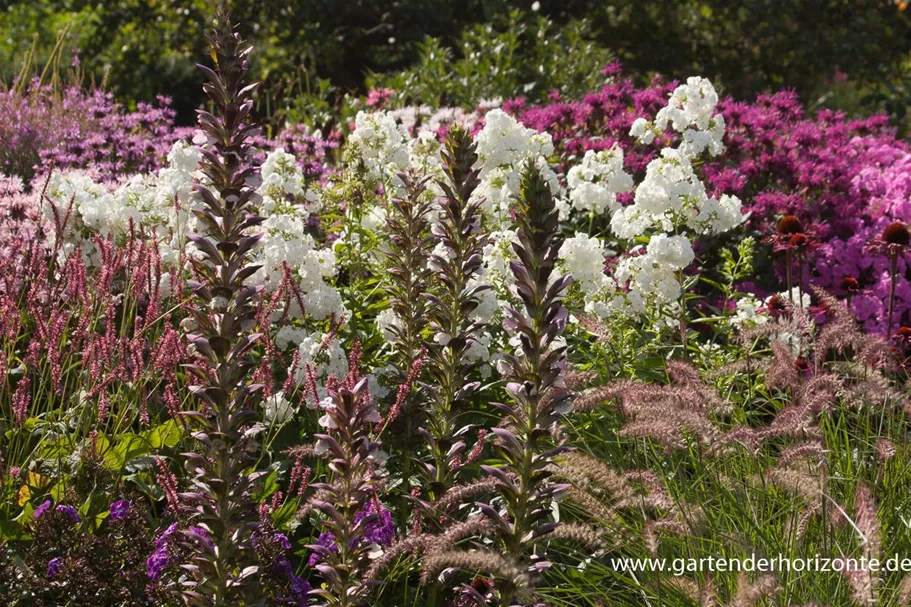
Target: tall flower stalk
(354, 523)
(222, 568)
(788, 232)
(534, 373)
(522, 516)
(410, 246)
(451, 308)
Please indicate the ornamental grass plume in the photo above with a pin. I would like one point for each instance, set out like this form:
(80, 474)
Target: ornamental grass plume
(670, 414)
(866, 582)
(750, 593)
(223, 571)
(450, 310)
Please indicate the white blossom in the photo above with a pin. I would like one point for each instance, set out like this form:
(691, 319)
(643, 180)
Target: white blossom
(381, 143)
(595, 182)
(504, 148)
(277, 409)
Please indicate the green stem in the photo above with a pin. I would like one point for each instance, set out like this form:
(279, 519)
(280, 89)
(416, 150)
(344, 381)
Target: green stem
(893, 270)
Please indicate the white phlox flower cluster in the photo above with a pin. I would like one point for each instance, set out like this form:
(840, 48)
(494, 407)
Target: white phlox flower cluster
(283, 186)
(479, 350)
(504, 147)
(158, 205)
(594, 183)
(671, 206)
(382, 144)
(747, 312)
(277, 409)
(386, 321)
(425, 159)
(286, 205)
(323, 360)
(285, 241)
(672, 198)
(583, 257)
(651, 275)
(691, 112)
(497, 253)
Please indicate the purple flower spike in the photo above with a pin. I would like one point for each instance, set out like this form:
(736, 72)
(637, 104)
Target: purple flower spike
(282, 540)
(156, 563)
(300, 588)
(381, 530)
(203, 536)
(327, 541)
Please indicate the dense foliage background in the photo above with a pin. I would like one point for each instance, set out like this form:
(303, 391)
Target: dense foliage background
(142, 48)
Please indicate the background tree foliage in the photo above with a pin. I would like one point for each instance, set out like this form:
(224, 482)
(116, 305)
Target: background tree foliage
(325, 47)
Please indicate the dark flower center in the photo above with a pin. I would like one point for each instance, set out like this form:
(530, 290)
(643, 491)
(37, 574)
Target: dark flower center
(798, 241)
(789, 224)
(897, 233)
(776, 303)
(850, 284)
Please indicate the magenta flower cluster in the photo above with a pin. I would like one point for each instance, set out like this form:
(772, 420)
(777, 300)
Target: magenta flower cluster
(72, 128)
(78, 129)
(846, 178)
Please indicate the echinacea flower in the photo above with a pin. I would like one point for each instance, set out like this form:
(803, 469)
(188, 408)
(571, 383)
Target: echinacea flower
(791, 235)
(894, 240)
(798, 241)
(903, 335)
(897, 233)
(789, 225)
(850, 285)
(776, 306)
(893, 243)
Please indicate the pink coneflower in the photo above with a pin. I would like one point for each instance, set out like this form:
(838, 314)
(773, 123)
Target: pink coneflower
(776, 306)
(851, 288)
(796, 240)
(789, 224)
(896, 233)
(893, 242)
